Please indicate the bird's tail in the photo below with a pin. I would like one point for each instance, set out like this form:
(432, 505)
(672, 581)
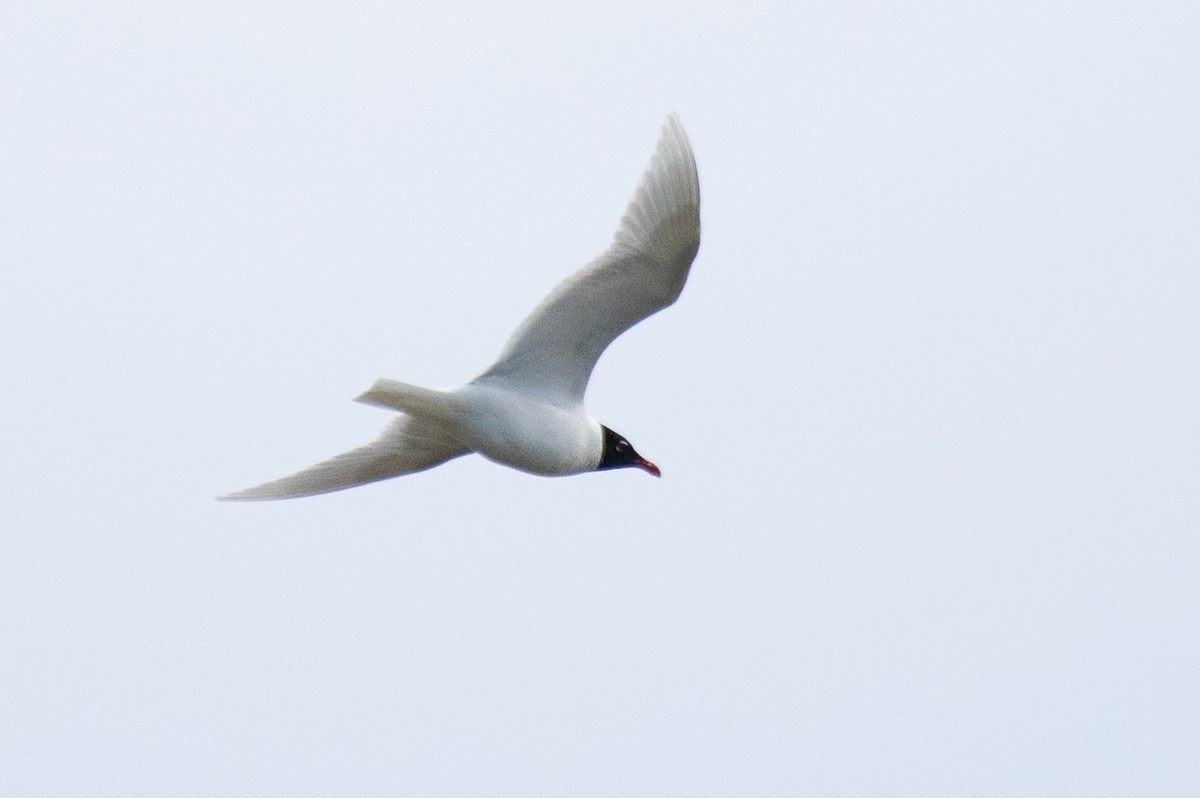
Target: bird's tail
(412, 399)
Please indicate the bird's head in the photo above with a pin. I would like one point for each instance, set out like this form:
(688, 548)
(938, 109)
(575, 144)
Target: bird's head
(616, 452)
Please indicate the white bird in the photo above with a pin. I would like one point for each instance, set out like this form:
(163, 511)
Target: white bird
(526, 411)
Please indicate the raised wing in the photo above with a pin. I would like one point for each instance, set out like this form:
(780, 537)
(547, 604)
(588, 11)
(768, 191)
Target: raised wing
(643, 271)
(406, 446)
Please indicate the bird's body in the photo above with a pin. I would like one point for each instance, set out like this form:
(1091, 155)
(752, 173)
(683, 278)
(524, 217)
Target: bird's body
(526, 410)
(512, 428)
(528, 434)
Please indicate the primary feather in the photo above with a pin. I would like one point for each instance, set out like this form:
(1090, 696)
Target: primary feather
(408, 445)
(643, 271)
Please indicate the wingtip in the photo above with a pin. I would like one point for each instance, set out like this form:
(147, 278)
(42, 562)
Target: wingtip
(674, 151)
(673, 129)
(240, 496)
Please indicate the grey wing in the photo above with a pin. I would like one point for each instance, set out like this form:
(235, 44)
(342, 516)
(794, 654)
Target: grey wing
(406, 446)
(643, 271)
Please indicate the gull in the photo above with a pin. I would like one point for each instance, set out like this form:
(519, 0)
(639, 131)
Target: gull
(526, 410)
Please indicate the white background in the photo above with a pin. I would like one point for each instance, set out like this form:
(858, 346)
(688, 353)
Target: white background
(927, 411)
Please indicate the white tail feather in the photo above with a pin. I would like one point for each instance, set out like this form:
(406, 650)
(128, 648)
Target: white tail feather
(411, 399)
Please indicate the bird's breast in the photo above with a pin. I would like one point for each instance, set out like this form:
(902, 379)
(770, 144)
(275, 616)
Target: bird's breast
(528, 434)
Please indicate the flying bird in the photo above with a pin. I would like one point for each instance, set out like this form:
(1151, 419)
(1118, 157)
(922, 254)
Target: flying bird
(526, 410)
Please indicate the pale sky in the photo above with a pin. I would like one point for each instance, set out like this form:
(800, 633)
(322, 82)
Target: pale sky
(927, 410)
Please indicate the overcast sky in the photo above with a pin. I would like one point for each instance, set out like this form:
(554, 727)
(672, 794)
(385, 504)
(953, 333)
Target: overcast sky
(928, 411)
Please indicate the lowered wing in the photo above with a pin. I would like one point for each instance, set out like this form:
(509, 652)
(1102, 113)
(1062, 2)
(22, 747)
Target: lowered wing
(406, 446)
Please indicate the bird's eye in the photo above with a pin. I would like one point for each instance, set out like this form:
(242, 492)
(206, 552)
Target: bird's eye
(622, 446)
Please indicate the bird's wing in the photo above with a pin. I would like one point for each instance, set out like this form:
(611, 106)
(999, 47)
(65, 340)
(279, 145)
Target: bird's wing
(406, 446)
(554, 350)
